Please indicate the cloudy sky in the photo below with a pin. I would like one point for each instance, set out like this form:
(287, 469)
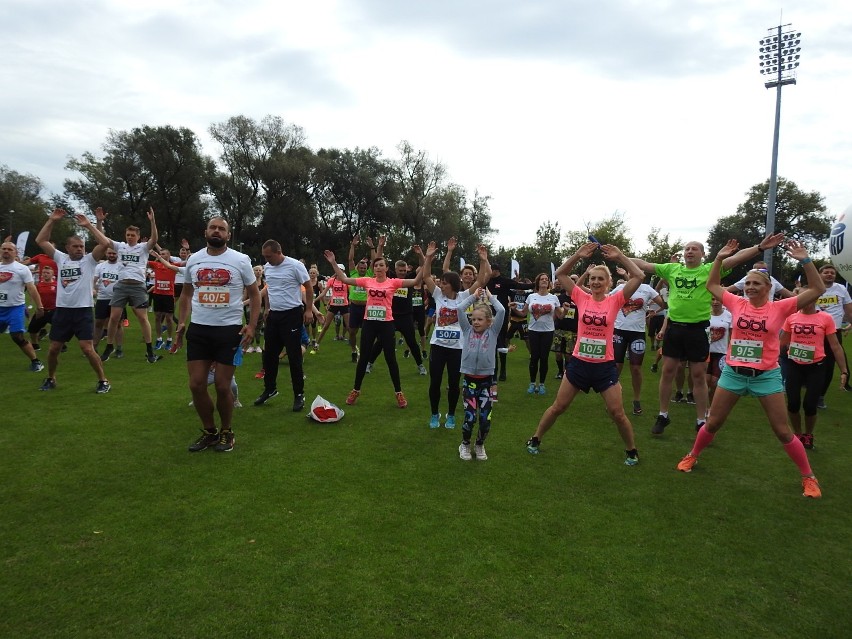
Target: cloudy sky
(560, 110)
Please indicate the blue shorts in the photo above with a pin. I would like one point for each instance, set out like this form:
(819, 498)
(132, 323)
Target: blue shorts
(12, 317)
(595, 375)
(767, 383)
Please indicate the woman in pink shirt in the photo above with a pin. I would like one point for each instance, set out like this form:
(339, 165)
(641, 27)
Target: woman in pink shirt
(592, 364)
(751, 366)
(378, 317)
(804, 336)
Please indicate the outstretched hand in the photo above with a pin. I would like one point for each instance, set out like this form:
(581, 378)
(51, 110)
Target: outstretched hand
(587, 250)
(796, 250)
(771, 242)
(430, 249)
(452, 243)
(611, 252)
(731, 247)
(329, 255)
(482, 251)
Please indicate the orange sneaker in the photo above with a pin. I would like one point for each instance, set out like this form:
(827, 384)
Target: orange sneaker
(810, 487)
(353, 396)
(400, 400)
(686, 464)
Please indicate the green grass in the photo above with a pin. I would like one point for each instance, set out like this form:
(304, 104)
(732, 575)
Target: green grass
(372, 527)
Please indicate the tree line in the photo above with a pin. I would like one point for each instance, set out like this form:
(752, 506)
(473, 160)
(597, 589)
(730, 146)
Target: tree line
(269, 183)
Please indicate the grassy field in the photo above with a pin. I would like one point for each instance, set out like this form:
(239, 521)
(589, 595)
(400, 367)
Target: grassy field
(373, 527)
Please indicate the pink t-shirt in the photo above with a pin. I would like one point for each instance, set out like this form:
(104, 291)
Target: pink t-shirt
(595, 325)
(807, 334)
(379, 297)
(754, 331)
(339, 292)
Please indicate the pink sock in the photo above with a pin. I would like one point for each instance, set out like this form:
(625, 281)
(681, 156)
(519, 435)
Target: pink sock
(702, 440)
(796, 451)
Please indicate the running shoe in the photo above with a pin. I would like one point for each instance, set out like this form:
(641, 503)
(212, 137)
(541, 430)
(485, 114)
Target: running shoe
(660, 425)
(226, 442)
(369, 367)
(153, 359)
(260, 374)
(810, 488)
(48, 384)
(687, 463)
(298, 402)
(352, 397)
(632, 458)
(119, 353)
(406, 353)
(541, 390)
(421, 369)
(237, 403)
(653, 368)
(103, 387)
(435, 421)
(479, 451)
(531, 390)
(158, 344)
(557, 376)
(450, 422)
(400, 400)
(354, 356)
(107, 352)
(532, 445)
(208, 438)
(424, 354)
(821, 403)
(464, 451)
(36, 347)
(679, 398)
(698, 425)
(36, 366)
(502, 377)
(265, 396)
(690, 398)
(808, 441)
(637, 407)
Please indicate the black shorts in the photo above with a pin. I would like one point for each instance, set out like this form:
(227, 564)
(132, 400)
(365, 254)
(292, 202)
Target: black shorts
(624, 342)
(163, 303)
(356, 315)
(654, 325)
(597, 376)
(38, 323)
(714, 368)
(72, 322)
(687, 342)
(338, 310)
(212, 343)
(102, 309)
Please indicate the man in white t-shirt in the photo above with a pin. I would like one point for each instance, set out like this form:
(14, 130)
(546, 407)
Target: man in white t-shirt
(15, 278)
(213, 286)
(778, 289)
(286, 314)
(73, 314)
(837, 302)
(106, 276)
(130, 288)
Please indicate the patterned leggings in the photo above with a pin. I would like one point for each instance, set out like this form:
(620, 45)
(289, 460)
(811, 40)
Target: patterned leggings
(476, 394)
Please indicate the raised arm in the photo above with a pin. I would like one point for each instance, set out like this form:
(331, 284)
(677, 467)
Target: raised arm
(425, 268)
(484, 274)
(451, 246)
(714, 279)
(43, 237)
(635, 273)
(341, 277)
(752, 252)
(352, 245)
(564, 271)
(816, 287)
(154, 236)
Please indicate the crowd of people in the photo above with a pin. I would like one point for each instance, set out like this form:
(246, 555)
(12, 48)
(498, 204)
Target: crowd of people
(753, 338)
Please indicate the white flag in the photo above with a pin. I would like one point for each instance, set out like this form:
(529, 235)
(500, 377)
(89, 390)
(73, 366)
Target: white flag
(461, 263)
(22, 243)
(552, 272)
(516, 269)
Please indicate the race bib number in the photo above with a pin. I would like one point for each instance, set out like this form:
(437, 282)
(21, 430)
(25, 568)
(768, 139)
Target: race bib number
(447, 334)
(802, 353)
(338, 301)
(592, 348)
(163, 286)
(570, 313)
(401, 292)
(747, 350)
(376, 313)
(214, 296)
(3, 297)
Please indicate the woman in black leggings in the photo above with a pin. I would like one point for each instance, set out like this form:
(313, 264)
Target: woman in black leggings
(542, 308)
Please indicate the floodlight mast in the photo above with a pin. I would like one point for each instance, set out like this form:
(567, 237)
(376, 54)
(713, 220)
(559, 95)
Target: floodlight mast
(779, 57)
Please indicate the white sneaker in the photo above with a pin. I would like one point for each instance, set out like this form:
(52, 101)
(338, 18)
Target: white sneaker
(421, 369)
(369, 367)
(479, 451)
(464, 451)
(237, 403)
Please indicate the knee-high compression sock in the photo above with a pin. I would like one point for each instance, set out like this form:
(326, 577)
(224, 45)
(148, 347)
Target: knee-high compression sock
(702, 440)
(796, 451)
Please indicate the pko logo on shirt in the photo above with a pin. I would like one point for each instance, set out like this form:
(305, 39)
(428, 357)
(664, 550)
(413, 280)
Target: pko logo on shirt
(835, 240)
(751, 325)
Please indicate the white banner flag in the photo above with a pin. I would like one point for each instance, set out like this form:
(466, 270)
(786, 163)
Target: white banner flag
(516, 269)
(552, 272)
(461, 263)
(22, 243)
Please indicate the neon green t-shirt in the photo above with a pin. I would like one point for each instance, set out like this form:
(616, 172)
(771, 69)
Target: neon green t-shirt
(358, 294)
(689, 299)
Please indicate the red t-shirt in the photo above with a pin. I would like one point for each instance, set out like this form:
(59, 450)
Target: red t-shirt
(41, 260)
(595, 325)
(754, 331)
(807, 336)
(164, 279)
(47, 292)
(379, 297)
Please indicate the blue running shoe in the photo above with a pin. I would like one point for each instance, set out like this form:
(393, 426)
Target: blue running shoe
(435, 421)
(541, 390)
(532, 446)
(450, 422)
(531, 389)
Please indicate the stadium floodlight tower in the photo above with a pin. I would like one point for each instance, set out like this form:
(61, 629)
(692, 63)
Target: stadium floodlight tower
(779, 59)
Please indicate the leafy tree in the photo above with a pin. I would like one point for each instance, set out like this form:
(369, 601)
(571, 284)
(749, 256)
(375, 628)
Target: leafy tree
(661, 247)
(799, 215)
(22, 207)
(611, 230)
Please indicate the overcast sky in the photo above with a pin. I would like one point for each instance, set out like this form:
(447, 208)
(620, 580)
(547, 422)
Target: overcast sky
(560, 110)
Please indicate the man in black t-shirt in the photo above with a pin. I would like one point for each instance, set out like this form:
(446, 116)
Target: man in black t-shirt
(501, 287)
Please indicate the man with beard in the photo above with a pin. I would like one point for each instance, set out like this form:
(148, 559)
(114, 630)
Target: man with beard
(358, 294)
(213, 286)
(73, 314)
(106, 275)
(15, 278)
(285, 278)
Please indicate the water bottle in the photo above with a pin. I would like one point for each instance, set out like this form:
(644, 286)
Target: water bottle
(238, 356)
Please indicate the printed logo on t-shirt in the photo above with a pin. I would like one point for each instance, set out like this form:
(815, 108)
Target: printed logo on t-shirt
(213, 276)
(540, 310)
(447, 317)
(630, 306)
(717, 333)
(5, 276)
(686, 282)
